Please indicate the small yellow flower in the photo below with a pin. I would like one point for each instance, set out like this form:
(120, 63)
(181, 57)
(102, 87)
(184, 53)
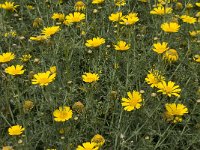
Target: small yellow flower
(62, 114)
(73, 18)
(9, 6)
(122, 46)
(98, 140)
(6, 57)
(171, 55)
(170, 27)
(15, 130)
(7, 148)
(115, 17)
(37, 22)
(79, 5)
(161, 11)
(154, 77)
(197, 58)
(48, 31)
(160, 47)
(129, 19)
(53, 69)
(133, 101)
(188, 19)
(97, 1)
(174, 112)
(189, 6)
(15, 70)
(87, 146)
(169, 88)
(44, 78)
(25, 57)
(39, 38)
(90, 77)
(58, 16)
(95, 42)
(120, 2)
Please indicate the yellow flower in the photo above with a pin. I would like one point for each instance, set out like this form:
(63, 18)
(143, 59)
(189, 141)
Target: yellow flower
(189, 6)
(171, 55)
(25, 57)
(79, 5)
(90, 77)
(97, 1)
(98, 140)
(120, 2)
(160, 47)
(6, 57)
(72, 18)
(15, 130)
(154, 77)
(198, 4)
(161, 11)
(62, 114)
(197, 58)
(194, 33)
(43, 78)
(9, 6)
(129, 19)
(179, 6)
(7, 148)
(188, 19)
(10, 34)
(48, 31)
(133, 101)
(174, 112)
(87, 146)
(58, 16)
(53, 69)
(122, 46)
(37, 22)
(169, 88)
(115, 17)
(15, 70)
(170, 27)
(39, 38)
(95, 42)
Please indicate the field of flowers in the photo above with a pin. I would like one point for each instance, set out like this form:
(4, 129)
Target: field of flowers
(100, 75)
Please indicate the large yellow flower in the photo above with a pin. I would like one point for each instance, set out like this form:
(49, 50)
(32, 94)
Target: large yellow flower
(115, 17)
(15, 130)
(72, 18)
(132, 102)
(15, 70)
(9, 6)
(160, 47)
(122, 46)
(170, 27)
(62, 114)
(174, 112)
(90, 77)
(171, 55)
(6, 57)
(129, 19)
(161, 11)
(87, 146)
(95, 42)
(169, 88)
(154, 77)
(44, 78)
(188, 19)
(48, 31)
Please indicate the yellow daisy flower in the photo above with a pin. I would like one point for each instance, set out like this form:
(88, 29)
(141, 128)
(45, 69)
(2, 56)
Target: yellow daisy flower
(188, 19)
(62, 114)
(44, 78)
(48, 31)
(90, 77)
(73, 18)
(15, 70)
(160, 47)
(170, 27)
(95, 42)
(122, 46)
(161, 11)
(115, 17)
(87, 146)
(6, 57)
(9, 6)
(15, 130)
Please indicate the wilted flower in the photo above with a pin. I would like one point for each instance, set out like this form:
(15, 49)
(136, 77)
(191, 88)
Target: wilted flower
(28, 105)
(98, 139)
(171, 55)
(37, 22)
(39, 38)
(58, 16)
(79, 5)
(120, 2)
(78, 107)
